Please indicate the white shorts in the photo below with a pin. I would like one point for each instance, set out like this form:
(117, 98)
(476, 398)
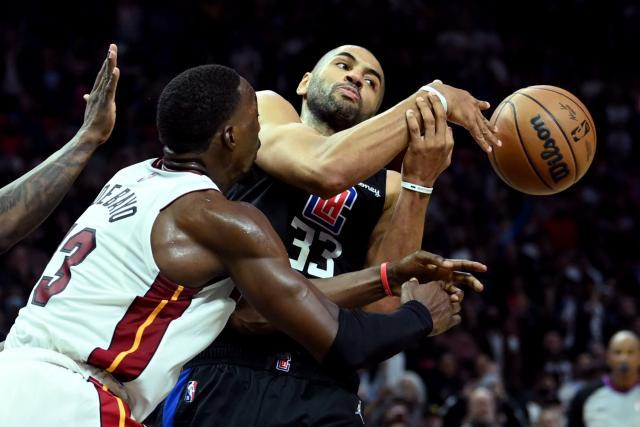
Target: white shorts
(40, 388)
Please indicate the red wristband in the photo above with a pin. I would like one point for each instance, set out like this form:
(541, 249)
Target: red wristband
(384, 279)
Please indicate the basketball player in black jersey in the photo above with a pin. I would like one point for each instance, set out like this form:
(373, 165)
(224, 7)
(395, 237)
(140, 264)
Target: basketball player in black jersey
(321, 183)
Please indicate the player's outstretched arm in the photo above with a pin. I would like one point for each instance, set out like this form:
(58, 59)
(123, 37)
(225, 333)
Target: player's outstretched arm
(327, 165)
(29, 200)
(250, 251)
(359, 288)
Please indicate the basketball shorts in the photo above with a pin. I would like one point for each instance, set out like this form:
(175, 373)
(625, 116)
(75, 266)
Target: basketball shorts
(230, 394)
(38, 389)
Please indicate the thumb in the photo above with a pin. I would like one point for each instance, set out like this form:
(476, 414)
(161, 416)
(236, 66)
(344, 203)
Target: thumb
(483, 105)
(410, 283)
(85, 97)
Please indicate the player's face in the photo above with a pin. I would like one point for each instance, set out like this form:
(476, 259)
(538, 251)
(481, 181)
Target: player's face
(346, 89)
(623, 356)
(245, 131)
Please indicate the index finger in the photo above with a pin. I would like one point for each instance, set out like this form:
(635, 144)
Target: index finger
(488, 130)
(465, 264)
(426, 258)
(476, 133)
(441, 116)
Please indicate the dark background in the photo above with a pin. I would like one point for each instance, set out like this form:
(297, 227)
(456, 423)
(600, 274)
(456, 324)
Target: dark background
(565, 270)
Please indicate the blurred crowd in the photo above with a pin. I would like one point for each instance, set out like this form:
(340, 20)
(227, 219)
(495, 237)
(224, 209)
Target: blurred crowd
(564, 269)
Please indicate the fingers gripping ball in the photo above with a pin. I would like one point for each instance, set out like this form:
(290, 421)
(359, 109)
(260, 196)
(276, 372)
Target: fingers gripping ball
(549, 140)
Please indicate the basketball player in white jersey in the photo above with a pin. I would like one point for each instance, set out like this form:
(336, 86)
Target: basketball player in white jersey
(29, 200)
(142, 281)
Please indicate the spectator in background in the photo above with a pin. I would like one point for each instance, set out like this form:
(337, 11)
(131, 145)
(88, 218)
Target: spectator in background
(29, 200)
(613, 400)
(482, 409)
(476, 45)
(551, 417)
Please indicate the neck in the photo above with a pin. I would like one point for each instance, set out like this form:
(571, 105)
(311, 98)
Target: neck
(192, 163)
(309, 119)
(624, 382)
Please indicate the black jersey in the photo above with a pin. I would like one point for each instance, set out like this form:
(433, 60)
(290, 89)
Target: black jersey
(324, 238)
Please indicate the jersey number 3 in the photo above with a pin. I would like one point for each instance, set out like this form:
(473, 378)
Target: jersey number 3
(78, 247)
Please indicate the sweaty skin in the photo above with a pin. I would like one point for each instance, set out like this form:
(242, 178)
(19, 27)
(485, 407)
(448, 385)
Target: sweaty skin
(202, 236)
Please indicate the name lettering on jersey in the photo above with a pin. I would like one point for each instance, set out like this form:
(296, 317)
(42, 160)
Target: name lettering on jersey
(121, 204)
(328, 212)
(374, 190)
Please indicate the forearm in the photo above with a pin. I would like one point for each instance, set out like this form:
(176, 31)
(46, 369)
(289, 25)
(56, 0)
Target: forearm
(404, 233)
(349, 290)
(354, 289)
(356, 153)
(27, 202)
(368, 338)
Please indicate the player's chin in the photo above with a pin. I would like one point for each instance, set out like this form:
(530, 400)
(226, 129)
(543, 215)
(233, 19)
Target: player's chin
(346, 100)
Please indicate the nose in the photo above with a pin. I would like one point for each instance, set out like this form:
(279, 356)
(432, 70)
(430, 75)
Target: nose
(355, 79)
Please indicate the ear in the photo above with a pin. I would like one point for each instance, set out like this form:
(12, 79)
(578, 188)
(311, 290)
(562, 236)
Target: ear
(304, 84)
(228, 139)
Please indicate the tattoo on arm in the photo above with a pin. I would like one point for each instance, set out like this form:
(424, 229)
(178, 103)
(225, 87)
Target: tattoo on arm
(28, 201)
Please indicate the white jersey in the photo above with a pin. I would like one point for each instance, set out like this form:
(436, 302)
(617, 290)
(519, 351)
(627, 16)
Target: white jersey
(103, 302)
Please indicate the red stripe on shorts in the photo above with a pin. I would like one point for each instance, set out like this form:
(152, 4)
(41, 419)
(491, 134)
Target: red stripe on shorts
(114, 412)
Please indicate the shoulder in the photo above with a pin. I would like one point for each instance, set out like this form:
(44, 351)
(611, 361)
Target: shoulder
(274, 109)
(587, 391)
(223, 225)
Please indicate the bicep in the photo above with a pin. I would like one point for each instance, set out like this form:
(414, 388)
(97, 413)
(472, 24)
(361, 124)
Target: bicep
(260, 268)
(384, 223)
(291, 153)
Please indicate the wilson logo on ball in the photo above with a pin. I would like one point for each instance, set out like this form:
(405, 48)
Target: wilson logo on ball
(558, 169)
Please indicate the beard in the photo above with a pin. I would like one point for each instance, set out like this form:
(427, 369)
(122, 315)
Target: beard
(329, 107)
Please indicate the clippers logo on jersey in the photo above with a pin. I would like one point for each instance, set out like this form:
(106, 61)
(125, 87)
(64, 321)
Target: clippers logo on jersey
(284, 363)
(190, 393)
(328, 213)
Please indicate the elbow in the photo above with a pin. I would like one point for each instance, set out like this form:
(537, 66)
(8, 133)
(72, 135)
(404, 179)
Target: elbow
(294, 291)
(328, 182)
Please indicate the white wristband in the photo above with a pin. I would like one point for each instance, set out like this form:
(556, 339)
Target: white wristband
(437, 93)
(415, 187)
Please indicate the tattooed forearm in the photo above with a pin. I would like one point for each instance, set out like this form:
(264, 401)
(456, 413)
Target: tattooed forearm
(28, 201)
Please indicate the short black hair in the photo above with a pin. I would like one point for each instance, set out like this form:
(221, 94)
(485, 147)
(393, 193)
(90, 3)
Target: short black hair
(194, 104)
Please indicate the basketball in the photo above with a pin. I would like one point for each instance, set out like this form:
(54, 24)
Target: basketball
(548, 140)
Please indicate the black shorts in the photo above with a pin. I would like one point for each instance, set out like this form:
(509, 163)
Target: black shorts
(223, 394)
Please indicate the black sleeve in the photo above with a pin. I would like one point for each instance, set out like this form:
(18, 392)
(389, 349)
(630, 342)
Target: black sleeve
(367, 338)
(576, 407)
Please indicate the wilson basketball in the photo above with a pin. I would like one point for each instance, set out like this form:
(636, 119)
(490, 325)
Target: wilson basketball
(548, 140)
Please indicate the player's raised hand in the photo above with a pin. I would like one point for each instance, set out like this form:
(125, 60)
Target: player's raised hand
(427, 267)
(100, 112)
(427, 155)
(438, 298)
(466, 111)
